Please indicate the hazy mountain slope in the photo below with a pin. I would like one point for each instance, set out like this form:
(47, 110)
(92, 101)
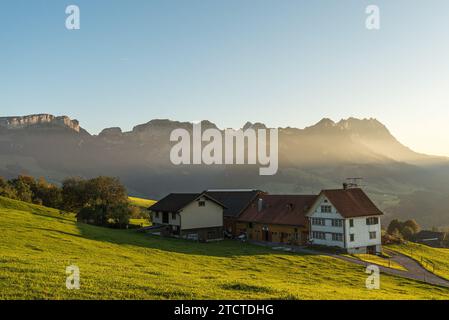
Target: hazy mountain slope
(320, 156)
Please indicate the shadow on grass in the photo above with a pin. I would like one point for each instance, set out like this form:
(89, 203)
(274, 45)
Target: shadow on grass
(225, 248)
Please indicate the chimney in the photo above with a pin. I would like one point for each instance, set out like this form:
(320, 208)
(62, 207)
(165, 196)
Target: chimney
(259, 204)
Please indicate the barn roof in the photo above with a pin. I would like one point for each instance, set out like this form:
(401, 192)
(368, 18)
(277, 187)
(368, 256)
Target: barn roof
(235, 200)
(279, 209)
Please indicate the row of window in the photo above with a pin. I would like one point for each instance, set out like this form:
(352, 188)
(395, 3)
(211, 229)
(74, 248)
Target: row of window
(295, 235)
(322, 222)
(369, 221)
(165, 215)
(339, 236)
(339, 222)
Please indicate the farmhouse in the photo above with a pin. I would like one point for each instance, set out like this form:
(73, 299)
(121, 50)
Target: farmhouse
(195, 216)
(277, 218)
(345, 218)
(236, 201)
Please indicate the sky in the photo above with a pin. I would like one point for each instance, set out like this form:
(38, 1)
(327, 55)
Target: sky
(280, 62)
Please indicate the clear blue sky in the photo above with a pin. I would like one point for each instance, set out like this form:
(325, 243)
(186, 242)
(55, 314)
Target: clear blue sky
(284, 63)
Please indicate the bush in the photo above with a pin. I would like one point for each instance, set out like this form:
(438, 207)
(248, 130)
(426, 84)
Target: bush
(22, 185)
(119, 215)
(6, 190)
(406, 229)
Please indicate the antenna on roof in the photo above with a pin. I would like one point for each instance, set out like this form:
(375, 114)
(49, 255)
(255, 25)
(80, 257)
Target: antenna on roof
(352, 183)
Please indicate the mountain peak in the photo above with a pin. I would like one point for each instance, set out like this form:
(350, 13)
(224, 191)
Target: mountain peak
(325, 122)
(370, 126)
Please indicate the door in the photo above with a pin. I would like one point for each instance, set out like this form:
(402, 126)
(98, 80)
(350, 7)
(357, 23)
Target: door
(265, 235)
(371, 249)
(282, 237)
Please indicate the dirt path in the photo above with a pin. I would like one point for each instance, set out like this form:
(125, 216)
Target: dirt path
(414, 270)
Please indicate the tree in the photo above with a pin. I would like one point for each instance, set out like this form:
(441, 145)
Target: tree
(74, 195)
(407, 232)
(93, 214)
(119, 215)
(22, 186)
(395, 233)
(6, 190)
(48, 194)
(107, 191)
(101, 200)
(413, 225)
(395, 224)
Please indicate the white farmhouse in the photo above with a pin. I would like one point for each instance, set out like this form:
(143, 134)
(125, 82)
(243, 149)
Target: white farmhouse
(196, 216)
(345, 218)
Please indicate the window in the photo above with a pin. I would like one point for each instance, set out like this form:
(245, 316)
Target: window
(318, 221)
(372, 220)
(337, 223)
(211, 235)
(326, 209)
(165, 217)
(372, 235)
(337, 237)
(173, 216)
(201, 203)
(351, 223)
(156, 215)
(318, 235)
(351, 237)
(250, 225)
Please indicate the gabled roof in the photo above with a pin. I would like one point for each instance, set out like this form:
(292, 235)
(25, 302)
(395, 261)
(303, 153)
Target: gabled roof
(279, 209)
(235, 200)
(352, 202)
(176, 201)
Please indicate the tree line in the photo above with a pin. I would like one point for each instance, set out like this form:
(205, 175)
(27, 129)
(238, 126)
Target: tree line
(101, 201)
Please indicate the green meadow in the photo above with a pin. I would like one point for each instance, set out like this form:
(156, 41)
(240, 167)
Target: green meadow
(435, 260)
(38, 243)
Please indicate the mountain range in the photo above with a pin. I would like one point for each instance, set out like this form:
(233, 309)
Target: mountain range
(405, 184)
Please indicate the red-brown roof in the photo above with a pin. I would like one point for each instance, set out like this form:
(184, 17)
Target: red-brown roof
(352, 202)
(279, 209)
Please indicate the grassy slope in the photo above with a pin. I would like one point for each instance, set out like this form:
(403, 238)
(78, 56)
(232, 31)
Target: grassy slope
(139, 202)
(438, 256)
(36, 245)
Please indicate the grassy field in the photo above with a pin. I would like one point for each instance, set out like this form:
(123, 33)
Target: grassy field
(37, 244)
(435, 260)
(139, 202)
